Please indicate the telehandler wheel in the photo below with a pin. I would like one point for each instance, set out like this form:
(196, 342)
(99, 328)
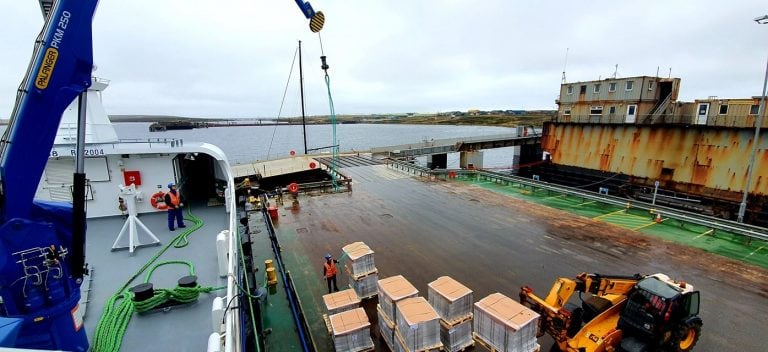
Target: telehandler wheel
(687, 336)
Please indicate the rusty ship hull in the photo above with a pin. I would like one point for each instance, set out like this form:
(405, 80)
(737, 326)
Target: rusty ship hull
(707, 163)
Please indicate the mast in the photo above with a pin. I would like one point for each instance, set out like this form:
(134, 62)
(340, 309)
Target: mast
(301, 85)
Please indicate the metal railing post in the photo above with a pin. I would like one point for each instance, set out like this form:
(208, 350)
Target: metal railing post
(755, 143)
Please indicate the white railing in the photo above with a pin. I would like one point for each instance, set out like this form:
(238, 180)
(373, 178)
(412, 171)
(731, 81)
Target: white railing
(232, 316)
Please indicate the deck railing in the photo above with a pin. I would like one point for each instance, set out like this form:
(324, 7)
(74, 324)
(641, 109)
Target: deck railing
(750, 231)
(743, 121)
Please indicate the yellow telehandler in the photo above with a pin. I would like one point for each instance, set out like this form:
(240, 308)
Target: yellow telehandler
(619, 314)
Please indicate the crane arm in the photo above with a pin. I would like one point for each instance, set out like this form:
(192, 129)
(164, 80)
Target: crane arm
(60, 70)
(38, 286)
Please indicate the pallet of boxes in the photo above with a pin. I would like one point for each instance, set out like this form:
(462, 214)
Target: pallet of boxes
(453, 302)
(391, 290)
(503, 324)
(407, 323)
(417, 326)
(347, 323)
(361, 269)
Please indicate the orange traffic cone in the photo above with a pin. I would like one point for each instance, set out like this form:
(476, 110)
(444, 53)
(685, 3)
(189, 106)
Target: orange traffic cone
(658, 217)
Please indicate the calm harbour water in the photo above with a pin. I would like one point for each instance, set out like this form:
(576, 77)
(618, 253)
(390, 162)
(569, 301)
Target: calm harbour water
(250, 143)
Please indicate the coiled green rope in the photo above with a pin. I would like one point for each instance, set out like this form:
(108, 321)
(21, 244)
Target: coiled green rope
(119, 308)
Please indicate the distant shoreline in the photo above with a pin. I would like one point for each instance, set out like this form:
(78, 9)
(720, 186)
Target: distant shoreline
(503, 120)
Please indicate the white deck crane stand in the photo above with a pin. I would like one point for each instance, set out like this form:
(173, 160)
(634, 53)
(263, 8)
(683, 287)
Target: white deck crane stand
(129, 194)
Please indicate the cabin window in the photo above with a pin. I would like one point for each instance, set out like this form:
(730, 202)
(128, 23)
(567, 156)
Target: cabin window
(612, 87)
(596, 110)
(754, 109)
(597, 88)
(583, 89)
(612, 110)
(567, 111)
(650, 85)
(570, 90)
(630, 85)
(724, 109)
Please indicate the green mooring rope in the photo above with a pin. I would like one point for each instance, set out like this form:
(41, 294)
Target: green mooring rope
(119, 308)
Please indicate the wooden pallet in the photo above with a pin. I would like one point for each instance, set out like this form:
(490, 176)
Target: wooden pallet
(383, 316)
(367, 349)
(469, 346)
(328, 327)
(452, 323)
(479, 340)
(368, 297)
(358, 277)
(391, 348)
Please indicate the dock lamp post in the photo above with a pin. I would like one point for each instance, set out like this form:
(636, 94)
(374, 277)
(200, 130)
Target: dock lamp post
(755, 141)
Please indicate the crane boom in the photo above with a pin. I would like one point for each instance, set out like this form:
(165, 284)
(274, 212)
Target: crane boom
(60, 70)
(39, 288)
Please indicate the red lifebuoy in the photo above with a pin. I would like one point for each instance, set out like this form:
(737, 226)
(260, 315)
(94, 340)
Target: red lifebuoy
(293, 187)
(158, 201)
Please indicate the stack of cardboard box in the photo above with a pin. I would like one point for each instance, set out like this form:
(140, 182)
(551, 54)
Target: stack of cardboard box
(417, 326)
(505, 324)
(453, 302)
(361, 269)
(341, 301)
(351, 331)
(390, 291)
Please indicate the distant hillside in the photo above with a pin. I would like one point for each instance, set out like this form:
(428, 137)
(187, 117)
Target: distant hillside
(154, 118)
(495, 118)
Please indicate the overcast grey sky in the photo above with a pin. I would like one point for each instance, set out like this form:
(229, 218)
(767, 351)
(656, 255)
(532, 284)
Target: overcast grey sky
(231, 58)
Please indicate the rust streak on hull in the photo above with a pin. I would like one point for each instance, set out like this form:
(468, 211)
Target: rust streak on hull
(696, 160)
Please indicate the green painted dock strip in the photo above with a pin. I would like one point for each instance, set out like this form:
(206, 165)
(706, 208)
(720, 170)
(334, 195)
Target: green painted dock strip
(727, 244)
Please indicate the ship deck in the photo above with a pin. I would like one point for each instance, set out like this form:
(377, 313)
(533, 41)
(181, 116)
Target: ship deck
(184, 328)
(492, 242)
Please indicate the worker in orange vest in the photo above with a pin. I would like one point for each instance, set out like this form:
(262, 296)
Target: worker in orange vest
(330, 271)
(174, 202)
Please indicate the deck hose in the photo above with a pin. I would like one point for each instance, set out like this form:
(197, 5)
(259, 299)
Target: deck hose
(119, 308)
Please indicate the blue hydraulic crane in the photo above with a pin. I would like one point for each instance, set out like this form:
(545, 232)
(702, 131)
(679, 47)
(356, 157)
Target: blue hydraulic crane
(42, 243)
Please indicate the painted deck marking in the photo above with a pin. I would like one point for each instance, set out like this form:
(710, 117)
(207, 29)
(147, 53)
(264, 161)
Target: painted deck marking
(755, 251)
(649, 224)
(590, 202)
(609, 214)
(704, 234)
(553, 197)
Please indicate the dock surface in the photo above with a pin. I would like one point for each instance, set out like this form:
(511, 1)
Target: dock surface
(492, 242)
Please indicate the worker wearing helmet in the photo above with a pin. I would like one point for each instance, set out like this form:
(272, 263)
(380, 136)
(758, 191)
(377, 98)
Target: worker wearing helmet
(174, 201)
(330, 271)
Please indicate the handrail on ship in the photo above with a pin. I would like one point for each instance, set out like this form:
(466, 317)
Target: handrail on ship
(305, 338)
(172, 142)
(751, 231)
(232, 321)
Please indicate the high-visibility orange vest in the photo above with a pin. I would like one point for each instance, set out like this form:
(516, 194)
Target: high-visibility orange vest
(330, 269)
(174, 199)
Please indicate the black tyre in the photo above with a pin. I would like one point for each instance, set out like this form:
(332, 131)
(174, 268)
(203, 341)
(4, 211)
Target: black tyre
(687, 336)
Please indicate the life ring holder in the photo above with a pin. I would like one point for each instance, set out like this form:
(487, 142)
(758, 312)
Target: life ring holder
(158, 201)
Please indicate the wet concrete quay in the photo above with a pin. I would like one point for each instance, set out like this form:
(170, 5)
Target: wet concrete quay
(494, 243)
